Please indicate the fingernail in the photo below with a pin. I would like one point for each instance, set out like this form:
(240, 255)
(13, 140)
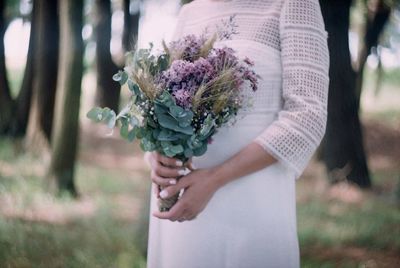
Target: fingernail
(163, 194)
(179, 163)
(172, 182)
(193, 166)
(183, 172)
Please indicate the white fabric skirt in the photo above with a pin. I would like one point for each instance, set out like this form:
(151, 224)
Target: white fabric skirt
(250, 222)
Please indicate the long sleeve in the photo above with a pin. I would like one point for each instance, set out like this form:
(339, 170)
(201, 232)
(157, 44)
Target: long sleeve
(300, 125)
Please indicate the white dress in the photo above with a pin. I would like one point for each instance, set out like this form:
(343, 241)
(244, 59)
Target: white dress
(251, 222)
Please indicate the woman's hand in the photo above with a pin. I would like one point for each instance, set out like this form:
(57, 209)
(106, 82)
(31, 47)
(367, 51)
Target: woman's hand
(166, 170)
(199, 187)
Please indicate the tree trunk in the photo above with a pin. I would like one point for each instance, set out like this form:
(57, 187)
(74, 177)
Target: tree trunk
(66, 119)
(131, 25)
(23, 101)
(45, 61)
(6, 102)
(108, 91)
(343, 152)
(376, 19)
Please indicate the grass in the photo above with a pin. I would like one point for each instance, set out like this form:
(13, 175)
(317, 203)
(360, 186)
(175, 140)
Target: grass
(98, 242)
(373, 224)
(39, 230)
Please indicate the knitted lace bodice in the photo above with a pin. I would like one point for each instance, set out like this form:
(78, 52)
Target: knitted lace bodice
(287, 41)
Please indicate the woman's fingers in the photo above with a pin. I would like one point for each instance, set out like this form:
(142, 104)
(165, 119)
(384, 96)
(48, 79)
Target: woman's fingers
(161, 181)
(190, 165)
(167, 167)
(173, 214)
(168, 172)
(168, 161)
(172, 190)
(179, 212)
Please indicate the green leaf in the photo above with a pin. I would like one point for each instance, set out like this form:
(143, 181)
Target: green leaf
(194, 142)
(124, 131)
(155, 133)
(124, 111)
(167, 135)
(134, 121)
(171, 123)
(140, 133)
(166, 99)
(133, 87)
(207, 126)
(201, 150)
(183, 116)
(132, 134)
(177, 111)
(163, 62)
(120, 77)
(95, 114)
(151, 122)
(105, 115)
(188, 152)
(171, 150)
(147, 145)
(160, 109)
(110, 119)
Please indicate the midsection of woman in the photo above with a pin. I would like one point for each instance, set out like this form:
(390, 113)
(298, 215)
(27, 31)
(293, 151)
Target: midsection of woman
(251, 221)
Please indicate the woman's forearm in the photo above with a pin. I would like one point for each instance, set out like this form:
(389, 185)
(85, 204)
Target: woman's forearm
(250, 159)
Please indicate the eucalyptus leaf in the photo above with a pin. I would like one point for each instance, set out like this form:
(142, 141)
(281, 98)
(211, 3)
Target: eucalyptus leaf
(134, 88)
(167, 135)
(105, 113)
(151, 122)
(194, 142)
(147, 145)
(188, 152)
(124, 131)
(95, 114)
(171, 150)
(163, 62)
(177, 111)
(155, 133)
(171, 123)
(201, 150)
(111, 119)
(166, 99)
(207, 126)
(160, 109)
(133, 121)
(124, 111)
(183, 116)
(132, 134)
(120, 77)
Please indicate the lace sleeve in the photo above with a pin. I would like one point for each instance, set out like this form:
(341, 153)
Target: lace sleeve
(300, 126)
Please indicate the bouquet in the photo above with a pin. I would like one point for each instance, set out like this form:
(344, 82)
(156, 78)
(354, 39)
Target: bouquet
(180, 96)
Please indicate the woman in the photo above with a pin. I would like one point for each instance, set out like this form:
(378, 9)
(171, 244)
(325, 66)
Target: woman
(238, 208)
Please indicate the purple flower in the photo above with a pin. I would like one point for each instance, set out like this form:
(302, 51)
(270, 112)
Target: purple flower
(189, 46)
(185, 75)
(223, 57)
(183, 98)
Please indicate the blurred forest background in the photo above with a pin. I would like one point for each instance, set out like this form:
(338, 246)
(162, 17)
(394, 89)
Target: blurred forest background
(72, 196)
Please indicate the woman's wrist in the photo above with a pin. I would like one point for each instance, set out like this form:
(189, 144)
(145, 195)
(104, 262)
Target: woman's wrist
(250, 159)
(218, 177)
